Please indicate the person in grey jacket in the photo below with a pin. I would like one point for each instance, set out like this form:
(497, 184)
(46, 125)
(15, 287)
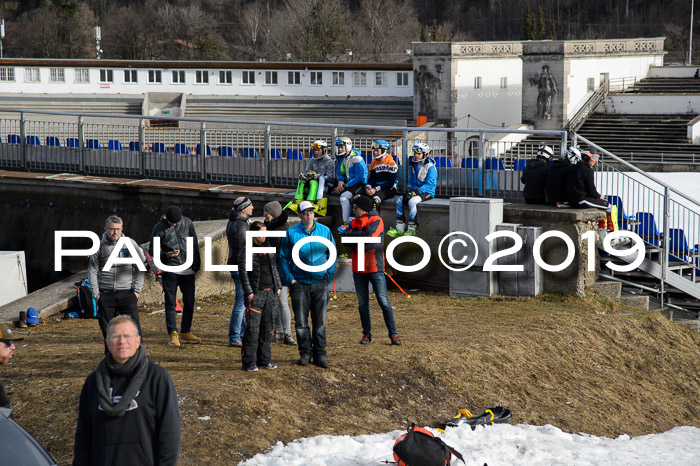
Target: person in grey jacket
(116, 290)
(173, 229)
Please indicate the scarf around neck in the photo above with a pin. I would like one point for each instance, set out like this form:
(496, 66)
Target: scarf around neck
(137, 366)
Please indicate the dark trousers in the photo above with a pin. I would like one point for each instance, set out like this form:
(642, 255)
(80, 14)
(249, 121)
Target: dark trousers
(362, 281)
(260, 326)
(310, 299)
(114, 303)
(384, 194)
(171, 281)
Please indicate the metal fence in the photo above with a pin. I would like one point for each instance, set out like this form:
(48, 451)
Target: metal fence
(470, 163)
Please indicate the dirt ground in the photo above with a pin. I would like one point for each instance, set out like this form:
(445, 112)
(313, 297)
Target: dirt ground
(582, 364)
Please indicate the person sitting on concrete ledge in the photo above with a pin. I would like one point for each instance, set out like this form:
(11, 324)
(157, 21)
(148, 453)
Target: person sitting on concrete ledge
(534, 177)
(581, 188)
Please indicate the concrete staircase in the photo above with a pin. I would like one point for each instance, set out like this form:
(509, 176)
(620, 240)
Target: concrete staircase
(613, 290)
(662, 86)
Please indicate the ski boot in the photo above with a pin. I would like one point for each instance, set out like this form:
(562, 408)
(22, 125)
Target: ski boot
(495, 415)
(412, 229)
(397, 231)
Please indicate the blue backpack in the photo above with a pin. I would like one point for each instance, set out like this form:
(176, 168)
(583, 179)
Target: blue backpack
(87, 306)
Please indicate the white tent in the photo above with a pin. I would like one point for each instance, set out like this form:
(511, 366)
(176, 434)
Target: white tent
(13, 270)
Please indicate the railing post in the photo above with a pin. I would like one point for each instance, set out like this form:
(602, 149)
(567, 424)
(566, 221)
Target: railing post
(664, 242)
(268, 156)
(142, 147)
(482, 165)
(562, 148)
(203, 149)
(81, 142)
(404, 159)
(22, 137)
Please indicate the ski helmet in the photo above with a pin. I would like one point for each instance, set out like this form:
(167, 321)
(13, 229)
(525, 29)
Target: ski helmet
(383, 147)
(344, 142)
(573, 155)
(319, 145)
(545, 152)
(421, 148)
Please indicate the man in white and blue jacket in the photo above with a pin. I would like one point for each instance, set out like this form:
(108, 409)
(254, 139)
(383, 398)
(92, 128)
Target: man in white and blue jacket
(352, 176)
(422, 181)
(309, 290)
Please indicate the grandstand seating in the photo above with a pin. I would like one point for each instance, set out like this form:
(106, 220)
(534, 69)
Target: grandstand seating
(114, 144)
(93, 144)
(181, 148)
(53, 141)
(198, 150)
(226, 151)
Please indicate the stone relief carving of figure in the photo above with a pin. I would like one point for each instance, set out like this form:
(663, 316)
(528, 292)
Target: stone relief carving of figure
(546, 87)
(426, 83)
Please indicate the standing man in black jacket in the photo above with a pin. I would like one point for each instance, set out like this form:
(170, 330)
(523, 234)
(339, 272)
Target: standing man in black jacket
(581, 185)
(128, 412)
(534, 177)
(261, 285)
(238, 224)
(173, 230)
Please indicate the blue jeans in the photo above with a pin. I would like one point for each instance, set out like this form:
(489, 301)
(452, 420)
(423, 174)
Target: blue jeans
(236, 326)
(311, 299)
(378, 281)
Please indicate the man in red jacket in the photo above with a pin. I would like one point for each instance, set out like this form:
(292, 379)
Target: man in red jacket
(368, 224)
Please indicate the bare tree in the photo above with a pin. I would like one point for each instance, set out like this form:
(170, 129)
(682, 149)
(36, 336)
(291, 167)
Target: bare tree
(255, 28)
(388, 26)
(128, 34)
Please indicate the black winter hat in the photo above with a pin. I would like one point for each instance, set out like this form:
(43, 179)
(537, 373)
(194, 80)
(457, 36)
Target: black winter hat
(364, 203)
(173, 214)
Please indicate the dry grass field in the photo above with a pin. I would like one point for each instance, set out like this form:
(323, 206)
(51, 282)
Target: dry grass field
(582, 364)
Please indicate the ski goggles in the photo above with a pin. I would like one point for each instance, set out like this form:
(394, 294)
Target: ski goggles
(317, 147)
(339, 143)
(376, 145)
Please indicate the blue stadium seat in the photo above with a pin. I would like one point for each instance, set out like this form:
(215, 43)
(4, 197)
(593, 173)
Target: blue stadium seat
(33, 141)
(181, 148)
(250, 152)
(678, 249)
(13, 139)
(114, 144)
(159, 147)
(53, 141)
(646, 228)
(198, 150)
(226, 151)
(443, 162)
(93, 144)
(72, 142)
(519, 165)
(294, 154)
(493, 163)
(469, 162)
(623, 220)
(275, 154)
(134, 146)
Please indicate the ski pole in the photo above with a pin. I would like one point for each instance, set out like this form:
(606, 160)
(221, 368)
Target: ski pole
(397, 285)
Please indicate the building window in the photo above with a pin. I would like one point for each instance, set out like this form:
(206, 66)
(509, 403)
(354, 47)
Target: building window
(380, 78)
(402, 79)
(270, 77)
(56, 75)
(504, 83)
(248, 77)
(82, 75)
(316, 78)
(7, 73)
(201, 77)
(225, 77)
(590, 84)
(477, 82)
(359, 78)
(155, 77)
(178, 76)
(130, 76)
(31, 75)
(294, 78)
(106, 76)
(339, 78)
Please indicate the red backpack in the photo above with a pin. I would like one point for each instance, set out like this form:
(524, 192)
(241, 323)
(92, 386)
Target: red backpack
(419, 447)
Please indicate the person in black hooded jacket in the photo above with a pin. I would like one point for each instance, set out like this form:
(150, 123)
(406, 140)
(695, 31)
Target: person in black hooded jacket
(534, 177)
(276, 219)
(558, 176)
(581, 185)
(173, 229)
(236, 227)
(261, 286)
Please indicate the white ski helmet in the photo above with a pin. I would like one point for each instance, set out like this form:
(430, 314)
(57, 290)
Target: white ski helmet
(573, 155)
(545, 152)
(346, 142)
(422, 148)
(319, 145)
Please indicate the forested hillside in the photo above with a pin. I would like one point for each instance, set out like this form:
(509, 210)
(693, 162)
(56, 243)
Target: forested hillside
(321, 30)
